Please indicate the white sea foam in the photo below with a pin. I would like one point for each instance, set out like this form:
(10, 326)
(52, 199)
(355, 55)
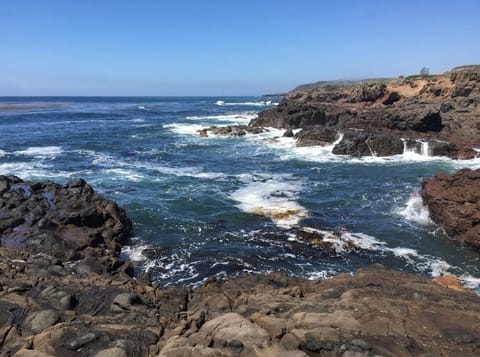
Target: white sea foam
(141, 107)
(184, 129)
(195, 172)
(273, 198)
(3, 153)
(138, 120)
(33, 171)
(41, 152)
(124, 174)
(415, 211)
(240, 118)
(470, 281)
(262, 103)
(343, 241)
(134, 253)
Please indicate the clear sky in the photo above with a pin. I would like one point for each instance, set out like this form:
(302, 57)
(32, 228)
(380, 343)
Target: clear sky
(225, 47)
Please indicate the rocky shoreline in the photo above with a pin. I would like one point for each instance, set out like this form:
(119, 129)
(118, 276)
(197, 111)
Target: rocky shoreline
(64, 291)
(381, 117)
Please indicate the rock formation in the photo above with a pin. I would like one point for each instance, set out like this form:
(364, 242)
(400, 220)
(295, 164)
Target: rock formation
(436, 108)
(454, 202)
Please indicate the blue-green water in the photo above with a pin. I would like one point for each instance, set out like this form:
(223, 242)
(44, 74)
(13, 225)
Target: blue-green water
(226, 206)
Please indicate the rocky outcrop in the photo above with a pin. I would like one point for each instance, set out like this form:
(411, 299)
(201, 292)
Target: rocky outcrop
(454, 202)
(230, 130)
(71, 222)
(357, 143)
(466, 80)
(291, 115)
(50, 307)
(442, 108)
(316, 136)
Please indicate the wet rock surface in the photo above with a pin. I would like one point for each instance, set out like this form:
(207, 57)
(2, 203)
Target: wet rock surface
(49, 308)
(67, 223)
(454, 202)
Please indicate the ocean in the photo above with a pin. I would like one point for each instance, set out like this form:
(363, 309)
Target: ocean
(226, 206)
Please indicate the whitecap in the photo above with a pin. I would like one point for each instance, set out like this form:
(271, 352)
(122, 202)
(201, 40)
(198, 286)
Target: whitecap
(273, 198)
(123, 174)
(3, 153)
(240, 118)
(262, 103)
(41, 152)
(184, 129)
(195, 172)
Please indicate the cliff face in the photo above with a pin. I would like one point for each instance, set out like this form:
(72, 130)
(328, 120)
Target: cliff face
(435, 108)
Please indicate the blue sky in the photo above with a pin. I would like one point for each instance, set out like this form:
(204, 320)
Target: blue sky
(246, 47)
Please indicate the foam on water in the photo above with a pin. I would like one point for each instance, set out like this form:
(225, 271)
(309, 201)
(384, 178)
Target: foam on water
(123, 174)
(195, 172)
(343, 241)
(262, 103)
(272, 198)
(184, 129)
(3, 153)
(28, 170)
(415, 211)
(240, 118)
(133, 253)
(41, 152)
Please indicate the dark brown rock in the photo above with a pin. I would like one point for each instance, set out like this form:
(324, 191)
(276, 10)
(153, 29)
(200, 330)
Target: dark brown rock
(316, 136)
(69, 222)
(357, 143)
(454, 202)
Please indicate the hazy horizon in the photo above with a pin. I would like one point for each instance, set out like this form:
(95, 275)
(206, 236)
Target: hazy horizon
(116, 48)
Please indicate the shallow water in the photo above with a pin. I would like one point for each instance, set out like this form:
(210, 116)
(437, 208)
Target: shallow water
(225, 206)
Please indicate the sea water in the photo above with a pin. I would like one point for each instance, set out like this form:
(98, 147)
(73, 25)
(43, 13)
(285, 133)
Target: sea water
(226, 206)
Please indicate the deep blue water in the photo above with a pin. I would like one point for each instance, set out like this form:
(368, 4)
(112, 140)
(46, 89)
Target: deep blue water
(225, 206)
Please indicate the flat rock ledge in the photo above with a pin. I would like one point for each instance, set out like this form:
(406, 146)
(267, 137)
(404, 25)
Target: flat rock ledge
(454, 203)
(51, 307)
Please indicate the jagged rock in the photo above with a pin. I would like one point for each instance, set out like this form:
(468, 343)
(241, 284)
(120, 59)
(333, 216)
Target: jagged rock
(368, 92)
(441, 107)
(454, 202)
(316, 136)
(68, 222)
(466, 80)
(290, 115)
(356, 143)
(230, 130)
